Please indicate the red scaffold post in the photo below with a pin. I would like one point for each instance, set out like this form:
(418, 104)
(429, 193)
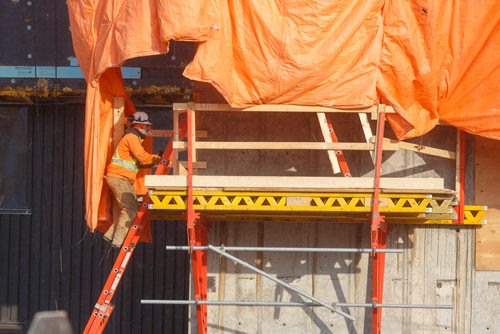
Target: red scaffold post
(378, 232)
(197, 236)
(459, 209)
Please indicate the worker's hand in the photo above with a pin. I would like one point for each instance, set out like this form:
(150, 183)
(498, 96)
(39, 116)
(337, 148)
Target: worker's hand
(156, 159)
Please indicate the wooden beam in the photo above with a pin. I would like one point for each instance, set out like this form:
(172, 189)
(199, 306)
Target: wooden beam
(119, 123)
(119, 119)
(170, 133)
(323, 125)
(285, 183)
(367, 130)
(196, 164)
(210, 145)
(421, 149)
(178, 168)
(487, 178)
(275, 108)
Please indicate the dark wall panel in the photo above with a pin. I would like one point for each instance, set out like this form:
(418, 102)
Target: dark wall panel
(13, 164)
(49, 261)
(37, 33)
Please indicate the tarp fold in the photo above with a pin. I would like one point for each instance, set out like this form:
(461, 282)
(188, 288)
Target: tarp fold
(432, 60)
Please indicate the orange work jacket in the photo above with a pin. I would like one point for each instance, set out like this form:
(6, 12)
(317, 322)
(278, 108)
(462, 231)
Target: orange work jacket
(129, 155)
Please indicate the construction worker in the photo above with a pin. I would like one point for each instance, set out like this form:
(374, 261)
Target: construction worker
(129, 156)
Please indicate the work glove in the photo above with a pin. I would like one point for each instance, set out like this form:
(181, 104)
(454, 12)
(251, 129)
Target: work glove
(156, 159)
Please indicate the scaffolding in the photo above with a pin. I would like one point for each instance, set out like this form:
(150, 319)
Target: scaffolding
(377, 206)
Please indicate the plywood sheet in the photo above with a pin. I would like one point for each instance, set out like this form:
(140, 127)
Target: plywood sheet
(488, 193)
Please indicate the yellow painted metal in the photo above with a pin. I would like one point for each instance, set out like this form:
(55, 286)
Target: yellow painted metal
(399, 208)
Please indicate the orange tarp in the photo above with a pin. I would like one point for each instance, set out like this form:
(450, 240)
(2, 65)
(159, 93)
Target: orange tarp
(433, 60)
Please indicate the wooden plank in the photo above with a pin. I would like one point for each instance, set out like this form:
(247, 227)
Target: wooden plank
(255, 183)
(119, 122)
(486, 192)
(421, 149)
(196, 164)
(284, 146)
(323, 125)
(170, 133)
(367, 130)
(178, 168)
(119, 119)
(275, 108)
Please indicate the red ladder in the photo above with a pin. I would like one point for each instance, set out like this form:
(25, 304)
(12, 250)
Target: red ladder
(104, 308)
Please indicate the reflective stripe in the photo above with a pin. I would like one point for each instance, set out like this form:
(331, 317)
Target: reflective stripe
(130, 165)
(125, 164)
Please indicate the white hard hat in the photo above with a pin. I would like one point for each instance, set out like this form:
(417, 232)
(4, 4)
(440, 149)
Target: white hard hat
(140, 117)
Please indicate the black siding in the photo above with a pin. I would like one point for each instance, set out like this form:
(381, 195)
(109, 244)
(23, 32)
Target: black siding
(49, 261)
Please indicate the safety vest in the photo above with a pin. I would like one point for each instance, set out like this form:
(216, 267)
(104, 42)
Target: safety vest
(124, 163)
(131, 165)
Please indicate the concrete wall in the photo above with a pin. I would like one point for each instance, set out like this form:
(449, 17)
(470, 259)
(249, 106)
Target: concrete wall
(436, 266)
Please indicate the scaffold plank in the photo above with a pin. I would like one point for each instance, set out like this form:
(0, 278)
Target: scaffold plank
(296, 183)
(275, 108)
(260, 145)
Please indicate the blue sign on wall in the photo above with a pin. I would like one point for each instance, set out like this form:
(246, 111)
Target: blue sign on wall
(62, 72)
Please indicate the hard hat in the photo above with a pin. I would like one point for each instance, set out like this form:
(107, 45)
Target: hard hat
(140, 117)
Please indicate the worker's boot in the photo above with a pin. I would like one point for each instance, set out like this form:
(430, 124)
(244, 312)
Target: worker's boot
(121, 230)
(119, 237)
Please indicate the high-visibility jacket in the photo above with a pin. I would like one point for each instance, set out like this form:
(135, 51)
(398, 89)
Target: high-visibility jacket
(129, 155)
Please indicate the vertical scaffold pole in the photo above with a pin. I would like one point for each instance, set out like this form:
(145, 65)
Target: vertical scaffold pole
(197, 233)
(460, 177)
(378, 229)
